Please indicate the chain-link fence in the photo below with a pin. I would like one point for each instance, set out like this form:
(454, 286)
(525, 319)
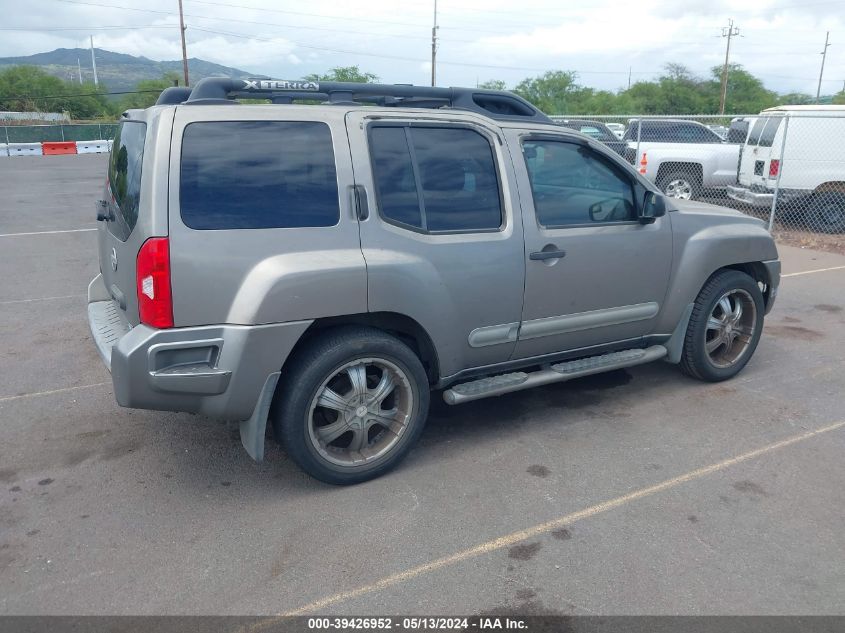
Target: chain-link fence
(785, 166)
(56, 133)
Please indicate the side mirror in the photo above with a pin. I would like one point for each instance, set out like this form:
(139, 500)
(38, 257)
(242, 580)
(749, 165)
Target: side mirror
(653, 207)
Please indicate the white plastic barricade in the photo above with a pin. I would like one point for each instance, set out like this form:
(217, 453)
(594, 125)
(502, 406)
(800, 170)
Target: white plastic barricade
(25, 149)
(4, 150)
(93, 147)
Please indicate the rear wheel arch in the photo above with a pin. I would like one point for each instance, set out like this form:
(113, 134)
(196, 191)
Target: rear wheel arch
(403, 327)
(834, 186)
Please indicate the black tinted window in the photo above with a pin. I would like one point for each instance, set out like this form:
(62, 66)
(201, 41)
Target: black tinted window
(572, 184)
(756, 131)
(125, 176)
(436, 179)
(258, 175)
(737, 132)
(767, 136)
(394, 176)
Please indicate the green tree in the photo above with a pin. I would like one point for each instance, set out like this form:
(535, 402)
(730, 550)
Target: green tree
(28, 88)
(493, 84)
(746, 93)
(795, 98)
(345, 73)
(147, 92)
(552, 92)
(839, 98)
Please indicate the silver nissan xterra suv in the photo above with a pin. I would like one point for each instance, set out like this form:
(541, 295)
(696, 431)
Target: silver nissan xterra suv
(325, 267)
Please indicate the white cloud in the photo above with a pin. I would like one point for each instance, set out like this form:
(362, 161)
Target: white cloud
(479, 39)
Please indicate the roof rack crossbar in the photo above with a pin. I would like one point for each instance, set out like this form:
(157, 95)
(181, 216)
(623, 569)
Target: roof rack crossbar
(496, 104)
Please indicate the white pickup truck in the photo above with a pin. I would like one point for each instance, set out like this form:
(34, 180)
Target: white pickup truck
(685, 158)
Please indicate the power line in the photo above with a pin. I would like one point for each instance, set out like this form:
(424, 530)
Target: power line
(85, 28)
(82, 94)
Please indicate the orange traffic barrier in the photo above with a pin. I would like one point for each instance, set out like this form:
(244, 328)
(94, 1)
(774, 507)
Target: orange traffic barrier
(59, 148)
(643, 163)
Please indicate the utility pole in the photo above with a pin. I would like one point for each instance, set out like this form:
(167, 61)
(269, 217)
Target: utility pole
(629, 77)
(730, 31)
(821, 72)
(184, 48)
(79, 69)
(433, 47)
(94, 62)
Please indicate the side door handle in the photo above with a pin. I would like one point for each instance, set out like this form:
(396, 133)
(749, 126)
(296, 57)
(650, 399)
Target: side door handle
(359, 202)
(544, 255)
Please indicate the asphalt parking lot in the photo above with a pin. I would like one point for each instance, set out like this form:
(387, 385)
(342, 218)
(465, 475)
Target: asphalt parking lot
(634, 492)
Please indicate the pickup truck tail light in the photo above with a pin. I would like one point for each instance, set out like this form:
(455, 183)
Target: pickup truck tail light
(152, 275)
(774, 168)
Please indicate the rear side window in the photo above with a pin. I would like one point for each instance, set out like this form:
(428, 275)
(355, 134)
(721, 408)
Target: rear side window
(125, 176)
(756, 131)
(258, 175)
(767, 136)
(435, 179)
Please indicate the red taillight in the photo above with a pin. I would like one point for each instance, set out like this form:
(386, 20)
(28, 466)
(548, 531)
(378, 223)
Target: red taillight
(774, 168)
(152, 279)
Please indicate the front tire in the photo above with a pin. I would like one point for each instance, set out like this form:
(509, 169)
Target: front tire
(351, 405)
(724, 328)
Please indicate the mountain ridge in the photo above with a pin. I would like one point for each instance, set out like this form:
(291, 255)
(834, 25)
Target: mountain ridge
(119, 72)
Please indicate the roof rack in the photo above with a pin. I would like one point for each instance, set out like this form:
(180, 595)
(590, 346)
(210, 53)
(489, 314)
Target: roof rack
(496, 104)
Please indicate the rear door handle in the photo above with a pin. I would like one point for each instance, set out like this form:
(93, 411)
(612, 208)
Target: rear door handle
(543, 255)
(359, 202)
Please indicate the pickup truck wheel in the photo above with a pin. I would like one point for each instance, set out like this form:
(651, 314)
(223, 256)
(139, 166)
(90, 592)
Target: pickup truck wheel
(724, 328)
(680, 184)
(351, 405)
(827, 214)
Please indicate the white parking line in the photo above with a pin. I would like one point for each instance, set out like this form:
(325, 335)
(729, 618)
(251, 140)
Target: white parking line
(540, 529)
(46, 232)
(42, 299)
(52, 391)
(810, 272)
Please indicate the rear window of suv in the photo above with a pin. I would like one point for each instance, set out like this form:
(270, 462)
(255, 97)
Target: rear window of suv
(125, 176)
(258, 175)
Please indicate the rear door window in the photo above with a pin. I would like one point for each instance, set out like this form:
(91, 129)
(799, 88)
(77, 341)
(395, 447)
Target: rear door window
(125, 176)
(756, 131)
(435, 180)
(767, 136)
(258, 175)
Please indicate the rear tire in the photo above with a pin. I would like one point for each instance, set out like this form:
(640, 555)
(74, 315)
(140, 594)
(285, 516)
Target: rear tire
(680, 183)
(827, 214)
(351, 404)
(724, 328)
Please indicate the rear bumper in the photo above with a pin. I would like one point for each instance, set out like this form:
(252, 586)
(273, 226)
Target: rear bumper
(758, 197)
(217, 370)
(752, 198)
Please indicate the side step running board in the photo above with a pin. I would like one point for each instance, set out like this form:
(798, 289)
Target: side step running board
(518, 380)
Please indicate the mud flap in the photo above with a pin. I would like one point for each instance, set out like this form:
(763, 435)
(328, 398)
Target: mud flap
(253, 429)
(675, 345)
